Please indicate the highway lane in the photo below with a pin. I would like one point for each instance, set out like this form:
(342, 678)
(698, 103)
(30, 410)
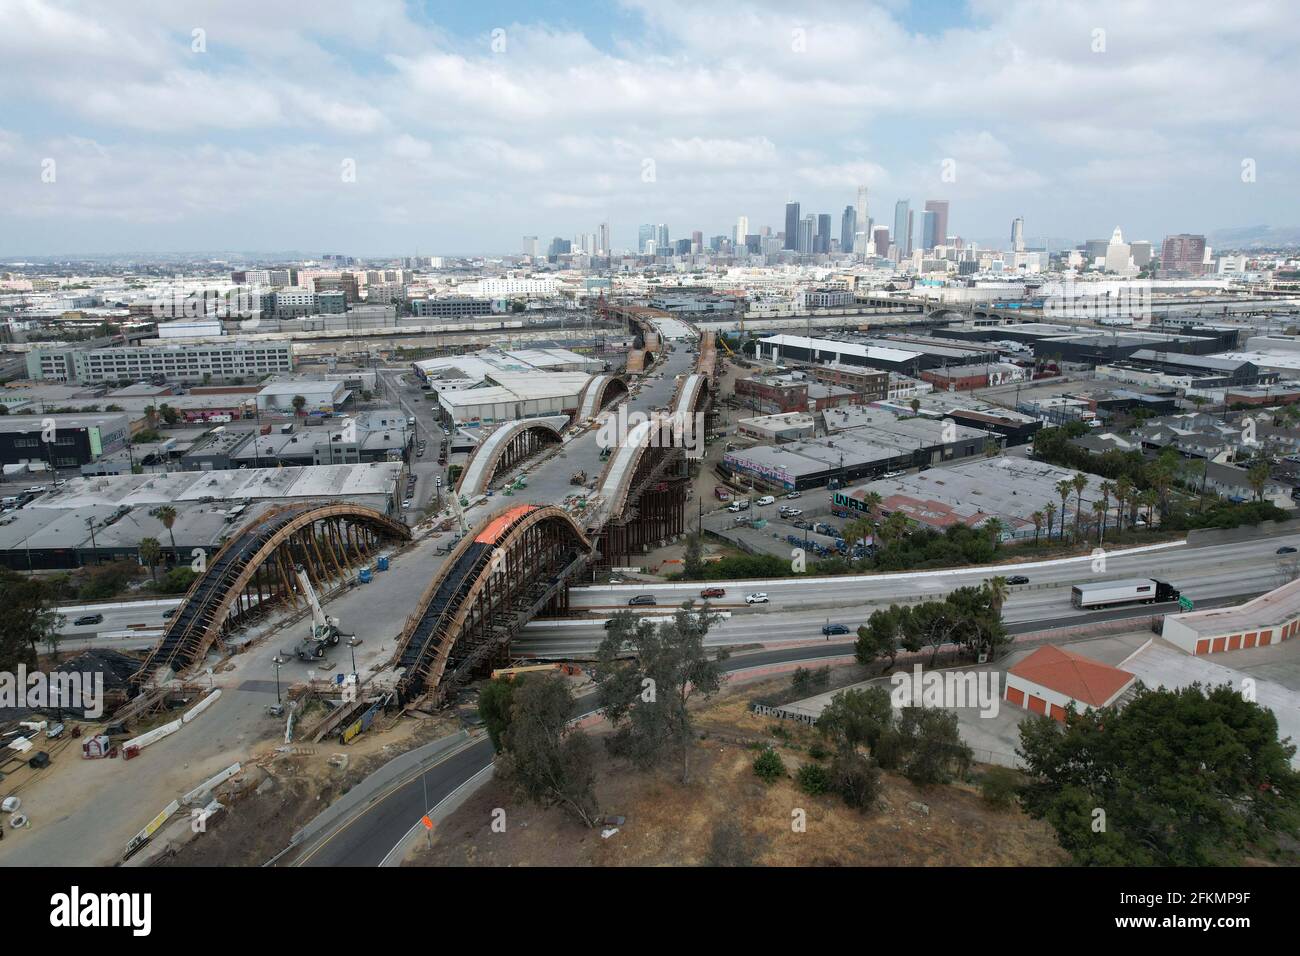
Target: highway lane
(366, 838)
(1241, 561)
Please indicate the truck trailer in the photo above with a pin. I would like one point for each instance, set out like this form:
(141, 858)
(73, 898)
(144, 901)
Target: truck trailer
(1128, 591)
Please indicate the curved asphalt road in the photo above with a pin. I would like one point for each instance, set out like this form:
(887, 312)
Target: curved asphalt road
(365, 838)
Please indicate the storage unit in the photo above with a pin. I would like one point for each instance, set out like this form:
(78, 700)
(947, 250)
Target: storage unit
(1051, 679)
(1268, 619)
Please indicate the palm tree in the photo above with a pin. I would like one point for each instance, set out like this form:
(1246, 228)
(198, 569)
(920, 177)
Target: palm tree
(1080, 483)
(1147, 499)
(1064, 488)
(1037, 518)
(1123, 491)
(298, 403)
(167, 515)
(1049, 511)
(1099, 508)
(998, 592)
(873, 501)
(150, 552)
(994, 528)
(916, 406)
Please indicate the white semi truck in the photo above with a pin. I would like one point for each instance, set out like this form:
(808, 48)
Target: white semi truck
(1128, 591)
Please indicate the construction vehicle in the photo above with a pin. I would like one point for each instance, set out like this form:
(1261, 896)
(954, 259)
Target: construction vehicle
(324, 629)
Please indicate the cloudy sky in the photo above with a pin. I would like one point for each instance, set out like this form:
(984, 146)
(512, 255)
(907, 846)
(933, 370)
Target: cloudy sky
(389, 127)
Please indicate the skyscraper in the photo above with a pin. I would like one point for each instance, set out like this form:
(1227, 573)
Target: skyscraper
(602, 240)
(929, 226)
(644, 235)
(911, 231)
(881, 241)
(742, 230)
(1018, 234)
(661, 236)
(697, 242)
(848, 229)
(823, 243)
(940, 209)
(902, 227)
(792, 225)
(1183, 253)
(806, 235)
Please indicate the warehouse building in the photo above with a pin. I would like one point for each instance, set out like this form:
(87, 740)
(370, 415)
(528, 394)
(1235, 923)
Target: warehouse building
(887, 445)
(515, 395)
(787, 427)
(1268, 619)
(1051, 680)
(322, 396)
(62, 441)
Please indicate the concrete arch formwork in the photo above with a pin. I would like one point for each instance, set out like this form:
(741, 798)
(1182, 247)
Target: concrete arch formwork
(256, 568)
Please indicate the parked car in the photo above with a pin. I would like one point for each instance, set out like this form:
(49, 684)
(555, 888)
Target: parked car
(88, 619)
(830, 629)
(893, 474)
(713, 592)
(641, 599)
(1017, 579)
(791, 512)
(765, 500)
(793, 495)
(1286, 549)
(758, 597)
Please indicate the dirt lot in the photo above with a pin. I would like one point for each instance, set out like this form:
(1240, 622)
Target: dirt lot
(668, 823)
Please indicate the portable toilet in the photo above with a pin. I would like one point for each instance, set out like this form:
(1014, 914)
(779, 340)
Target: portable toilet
(364, 576)
(381, 564)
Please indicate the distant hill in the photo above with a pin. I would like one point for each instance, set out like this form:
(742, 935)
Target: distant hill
(1254, 237)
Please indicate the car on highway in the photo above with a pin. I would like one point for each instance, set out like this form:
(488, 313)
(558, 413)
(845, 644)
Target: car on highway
(794, 495)
(641, 600)
(713, 592)
(406, 504)
(86, 619)
(830, 629)
(1286, 549)
(765, 500)
(1017, 579)
(758, 597)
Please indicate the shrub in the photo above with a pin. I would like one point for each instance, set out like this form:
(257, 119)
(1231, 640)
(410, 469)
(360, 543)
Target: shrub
(769, 765)
(1000, 787)
(814, 779)
(855, 778)
(818, 752)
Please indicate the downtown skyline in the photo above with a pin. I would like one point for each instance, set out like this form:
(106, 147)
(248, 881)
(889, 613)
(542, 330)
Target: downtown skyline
(143, 128)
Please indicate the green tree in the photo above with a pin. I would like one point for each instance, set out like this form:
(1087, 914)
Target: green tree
(933, 748)
(542, 758)
(28, 620)
(150, 554)
(1064, 488)
(813, 779)
(855, 778)
(1257, 477)
(299, 402)
(494, 703)
(647, 701)
(1187, 777)
(856, 718)
(1080, 484)
(693, 564)
(886, 632)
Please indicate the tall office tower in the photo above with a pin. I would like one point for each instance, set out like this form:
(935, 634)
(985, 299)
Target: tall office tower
(848, 229)
(911, 231)
(1018, 234)
(1118, 255)
(1183, 254)
(881, 241)
(645, 234)
(902, 230)
(940, 209)
(661, 237)
(807, 234)
(742, 230)
(602, 240)
(929, 225)
(823, 243)
(530, 246)
(1141, 250)
(792, 225)
(862, 238)
(697, 242)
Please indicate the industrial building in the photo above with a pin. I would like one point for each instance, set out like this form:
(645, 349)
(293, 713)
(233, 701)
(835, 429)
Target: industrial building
(62, 441)
(173, 363)
(907, 357)
(321, 396)
(88, 520)
(514, 395)
(888, 444)
(786, 427)
(1268, 619)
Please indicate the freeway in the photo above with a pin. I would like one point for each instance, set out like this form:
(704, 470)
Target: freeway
(368, 836)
